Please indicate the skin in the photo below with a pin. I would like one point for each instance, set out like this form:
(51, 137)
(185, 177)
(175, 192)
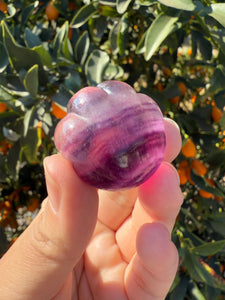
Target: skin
(88, 244)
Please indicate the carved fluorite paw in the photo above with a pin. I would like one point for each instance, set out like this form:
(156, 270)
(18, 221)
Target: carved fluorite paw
(113, 136)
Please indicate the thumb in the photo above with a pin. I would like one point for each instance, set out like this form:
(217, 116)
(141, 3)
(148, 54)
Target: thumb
(39, 262)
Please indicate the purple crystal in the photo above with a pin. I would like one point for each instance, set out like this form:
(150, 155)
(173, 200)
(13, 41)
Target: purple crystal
(114, 136)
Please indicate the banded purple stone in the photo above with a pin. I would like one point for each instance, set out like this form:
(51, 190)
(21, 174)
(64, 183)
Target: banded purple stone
(113, 136)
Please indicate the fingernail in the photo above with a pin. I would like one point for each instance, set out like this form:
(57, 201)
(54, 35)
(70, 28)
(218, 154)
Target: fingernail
(53, 188)
(174, 170)
(172, 122)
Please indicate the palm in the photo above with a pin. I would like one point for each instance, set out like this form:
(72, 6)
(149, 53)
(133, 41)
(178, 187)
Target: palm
(110, 266)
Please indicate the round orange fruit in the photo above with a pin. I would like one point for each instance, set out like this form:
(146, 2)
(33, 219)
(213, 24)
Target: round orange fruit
(3, 107)
(57, 111)
(189, 149)
(175, 100)
(182, 87)
(199, 167)
(216, 113)
(3, 7)
(51, 11)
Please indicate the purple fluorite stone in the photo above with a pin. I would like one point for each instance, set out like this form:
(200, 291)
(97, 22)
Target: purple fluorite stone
(113, 136)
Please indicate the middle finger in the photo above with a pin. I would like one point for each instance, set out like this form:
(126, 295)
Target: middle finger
(159, 200)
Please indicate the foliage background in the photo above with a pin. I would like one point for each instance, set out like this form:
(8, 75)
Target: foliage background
(173, 51)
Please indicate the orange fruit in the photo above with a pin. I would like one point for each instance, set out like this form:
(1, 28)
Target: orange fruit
(13, 241)
(3, 7)
(183, 164)
(184, 171)
(189, 176)
(4, 147)
(70, 33)
(189, 52)
(2, 205)
(51, 11)
(193, 99)
(12, 222)
(72, 6)
(57, 111)
(33, 205)
(182, 87)
(189, 149)
(39, 127)
(210, 181)
(219, 198)
(183, 175)
(3, 106)
(216, 113)
(167, 71)
(8, 206)
(174, 100)
(159, 86)
(206, 194)
(199, 167)
(130, 60)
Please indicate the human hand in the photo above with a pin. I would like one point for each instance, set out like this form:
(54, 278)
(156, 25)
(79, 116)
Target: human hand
(87, 244)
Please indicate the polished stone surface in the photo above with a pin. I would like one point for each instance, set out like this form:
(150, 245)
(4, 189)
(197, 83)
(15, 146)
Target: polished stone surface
(114, 136)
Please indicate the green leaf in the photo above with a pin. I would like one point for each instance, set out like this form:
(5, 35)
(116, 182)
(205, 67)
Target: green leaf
(13, 162)
(27, 120)
(141, 45)
(82, 47)
(113, 71)
(21, 57)
(209, 248)
(217, 221)
(44, 55)
(3, 58)
(2, 168)
(218, 226)
(30, 144)
(218, 12)
(113, 37)
(204, 46)
(217, 80)
(194, 267)
(122, 5)
(160, 28)
(196, 293)
(180, 289)
(27, 11)
(97, 28)
(179, 4)
(219, 36)
(31, 81)
(73, 81)
(201, 272)
(61, 44)
(4, 244)
(95, 66)
(12, 11)
(31, 39)
(62, 97)
(216, 158)
(204, 185)
(123, 35)
(108, 10)
(83, 15)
